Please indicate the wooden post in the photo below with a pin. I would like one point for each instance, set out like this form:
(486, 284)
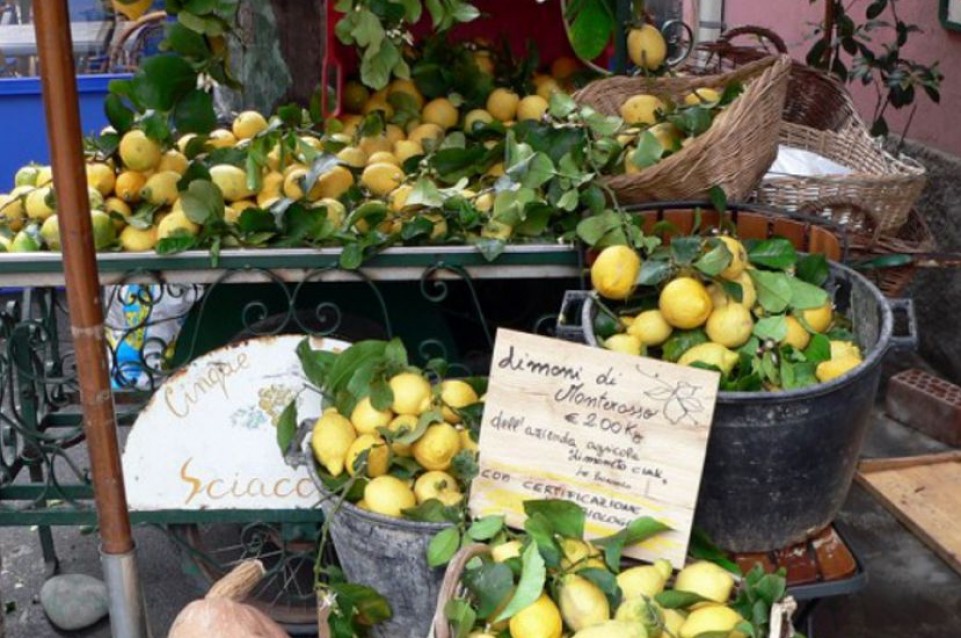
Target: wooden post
(829, 20)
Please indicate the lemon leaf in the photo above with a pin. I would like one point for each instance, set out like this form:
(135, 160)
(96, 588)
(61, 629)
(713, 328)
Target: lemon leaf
(606, 582)
(681, 341)
(805, 296)
(773, 290)
(813, 269)
(443, 546)
(638, 530)
(540, 530)
(673, 599)
(490, 585)
(486, 528)
(531, 584)
(287, 426)
(818, 350)
(461, 617)
(715, 260)
(777, 253)
(649, 151)
(684, 250)
(591, 29)
(774, 328)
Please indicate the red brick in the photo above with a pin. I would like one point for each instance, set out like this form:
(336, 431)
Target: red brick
(926, 403)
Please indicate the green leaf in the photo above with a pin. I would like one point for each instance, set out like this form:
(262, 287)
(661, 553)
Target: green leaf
(194, 113)
(718, 198)
(530, 586)
(774, 328)
(163, 80)
(565, 518)
(797, 375)
(433, 511)
(443, 546)
(489, 585)
(715, 260)
(606, 582)
(176, 243)
(561, 105)
(351, 257)
(703, 548)
(202, 202)
(287, 426)
(733, 290)
(316, 364)
(364, 600)
(819, 349)
(813, 269)
(673, 599)
(539, 171)
(592, 230)
(461, 617)
(186, 42)
(381, 396)
(486, 528)
(649, 151)
(591, 29)
(347, 362)
(805, 296)
(773, 290)
(684, 250)
(654, 272)
(491, 249)
(542, 533)
(681, 341)
(777, 253)
(637, 531)
(119, 116)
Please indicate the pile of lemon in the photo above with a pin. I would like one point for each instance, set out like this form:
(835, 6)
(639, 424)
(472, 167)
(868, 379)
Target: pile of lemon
(574, 605)
(690, 301)
(378, 448)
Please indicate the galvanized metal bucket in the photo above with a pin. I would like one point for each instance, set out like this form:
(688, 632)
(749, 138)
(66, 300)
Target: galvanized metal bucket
(779, 464)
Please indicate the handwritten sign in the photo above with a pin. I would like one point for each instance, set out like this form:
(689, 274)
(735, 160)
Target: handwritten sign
(207, 439)
(623, 436)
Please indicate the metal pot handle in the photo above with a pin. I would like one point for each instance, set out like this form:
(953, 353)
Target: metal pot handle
(569, 326)
(299, 452)
(908, 341)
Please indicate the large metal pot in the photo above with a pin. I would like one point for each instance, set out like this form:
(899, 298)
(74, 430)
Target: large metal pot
(779, 464)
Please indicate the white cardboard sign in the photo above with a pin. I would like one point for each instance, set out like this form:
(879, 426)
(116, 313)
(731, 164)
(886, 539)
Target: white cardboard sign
(624, 436)
(207, 439)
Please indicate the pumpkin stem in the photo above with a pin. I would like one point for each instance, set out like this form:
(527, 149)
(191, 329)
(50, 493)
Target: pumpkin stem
(237, 584)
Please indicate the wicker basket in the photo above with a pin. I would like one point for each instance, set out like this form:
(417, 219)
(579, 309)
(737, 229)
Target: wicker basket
(733, 154)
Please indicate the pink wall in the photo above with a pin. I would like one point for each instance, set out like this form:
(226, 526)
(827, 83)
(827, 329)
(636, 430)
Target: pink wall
(934, 124)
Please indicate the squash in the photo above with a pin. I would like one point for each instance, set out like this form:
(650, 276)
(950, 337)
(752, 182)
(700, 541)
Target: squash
(220, 614)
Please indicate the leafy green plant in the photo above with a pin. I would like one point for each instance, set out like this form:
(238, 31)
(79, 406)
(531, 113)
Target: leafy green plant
(851, 50)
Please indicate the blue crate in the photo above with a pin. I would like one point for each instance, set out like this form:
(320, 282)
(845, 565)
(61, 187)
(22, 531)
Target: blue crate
(24, 134)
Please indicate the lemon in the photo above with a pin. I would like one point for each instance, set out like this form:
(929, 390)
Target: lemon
(412, 393)
(221, 138)
(644, 580)
(355, 96)
(233, 212)
(484, 202)
(394, 134)
(540, 619)
(454, 395)
(532, 107)
(748, 291)
(138, 152)
(796, 335)
(428, 131)
(94, 198)
(548, 87)
(381, 178)
(497, 170)
(161, 189)
(845, 349)
(138, 240)
(506, 551)
(710, 619)
(27, 175)
(685, 304)
(406, 149)
(132, 9)
(129, 185)
(248, 125)
(477, 116)
(12, 210)
(614, 272)
(730, 325)
(101, 177)
(495, 229)
(439, 485)
(408, 88)
(440, 225)
(614, 629)
(440, 112)
(582, 603)
(819, 319)
(625, 343)
(331, 440)
(666, 135)
(484, 62)
(651, 328)
(577, 554)
(646, 47)
(232, 182)
(702, 96)
(44, 176)
(271, 190)
(176, 222)
(184, 141)
(375, 144)
(437, 447)
(828, 370)
(400, 425)
(673, 619)
(642, 109)
(366, 418)
(738, 258)
(644, 611)
(389, 496)
(50, 233)
(378, 457)
(564, 67)
(398, 197)
(336, 211)
(173, 160)
(37, 204)
(383, 157)
(502, 104)
(712, 354)
(467, 441)
(23, 242)
(707, 580)
(334, 183)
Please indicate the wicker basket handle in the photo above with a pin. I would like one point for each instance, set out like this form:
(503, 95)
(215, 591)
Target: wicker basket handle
(448, 590)
(835, 202)
(761, 33)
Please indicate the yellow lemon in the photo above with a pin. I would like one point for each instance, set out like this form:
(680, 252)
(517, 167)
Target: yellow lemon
(644, 611)
(666, 135)
(248, 124)
(502, 104)
(38, 203)
(138, 240)
(625, 343)
(845, 349)
(582, 603)
(467, 441)
(748, 291)
(173, 160)
(730, 325)
(642, 109)
(407, 88)
(532, 107)
(428, 131)
(712, 354)
(614, 272)
(352, 156)
(577, 554)
(331, 438)
(389, 496)
(380, 179)
(673, 619)
(138, 152)
(232, 182)
(44, 176)
(437, 447)
(796, 335)
(646, 47)
(399, 426)
(644, 580)
(614, 629)
(336, 211)
(334, 183)
(116, 207)
(131, 9)
(548, 87)
(184, 141)
(540, 619)
(440, 112)
(684, 303)
(651, 328)
(412, 393)
(834, 368)
(221, 138)
(707, 580)
(477, 116)
(702, 96)
(271, 190)
(12, 212)
(176, 223)
(819, 319)
(710, 619)
(439, 485)
(406, 149)
(398, 197)
(101, 177)
(129, 185)
(378, 457)
(366, 418)
(506, 551)
(355, 96)
(375, 144)
(738, 258)
(161, 189)
(454, 395)
(394, 134)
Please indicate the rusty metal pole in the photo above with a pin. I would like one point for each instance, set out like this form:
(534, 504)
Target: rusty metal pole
(52, 25)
